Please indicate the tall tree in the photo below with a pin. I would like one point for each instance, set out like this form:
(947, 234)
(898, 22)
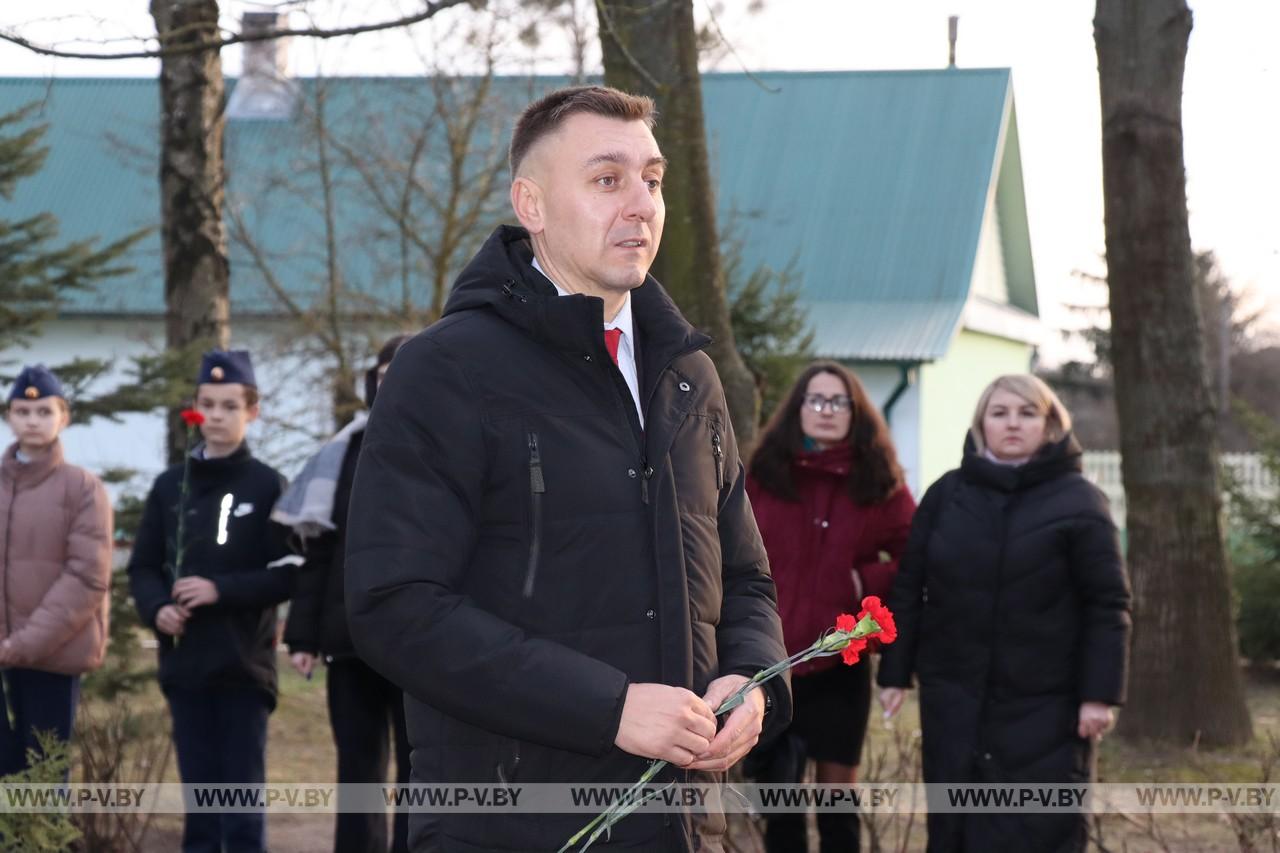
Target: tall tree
(36, 273)
(1186, 683)
(652, 48)
(196, 268)
(39, 274)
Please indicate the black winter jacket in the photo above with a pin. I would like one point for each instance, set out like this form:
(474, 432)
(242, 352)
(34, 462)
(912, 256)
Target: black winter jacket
(1012, 608)
(317, 620)
(521, 551)
(230, 539)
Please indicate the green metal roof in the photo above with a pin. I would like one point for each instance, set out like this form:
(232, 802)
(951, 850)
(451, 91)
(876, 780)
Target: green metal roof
(873, 183)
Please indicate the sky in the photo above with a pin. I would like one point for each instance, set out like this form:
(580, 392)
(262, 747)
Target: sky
(1230, 116)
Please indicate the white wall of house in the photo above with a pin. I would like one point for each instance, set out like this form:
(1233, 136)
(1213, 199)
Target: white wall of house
(990, 279)
(880, 380)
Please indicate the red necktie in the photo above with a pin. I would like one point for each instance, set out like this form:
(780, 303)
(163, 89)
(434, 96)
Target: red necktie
(611, 339)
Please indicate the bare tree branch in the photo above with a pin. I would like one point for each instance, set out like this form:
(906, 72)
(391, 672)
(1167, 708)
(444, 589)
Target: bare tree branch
(432, 8)
(602, 12)
(711, 15)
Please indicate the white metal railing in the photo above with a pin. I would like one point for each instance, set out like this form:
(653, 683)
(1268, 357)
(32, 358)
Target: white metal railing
(1102, 467)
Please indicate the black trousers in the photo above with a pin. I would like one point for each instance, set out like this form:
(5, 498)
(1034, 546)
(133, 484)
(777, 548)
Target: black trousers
(221, 738)
(366, 713)
(829, 724)
(30, 701)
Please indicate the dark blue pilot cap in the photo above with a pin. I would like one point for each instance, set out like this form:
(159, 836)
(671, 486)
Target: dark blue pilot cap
(34, 383)
(220, 367)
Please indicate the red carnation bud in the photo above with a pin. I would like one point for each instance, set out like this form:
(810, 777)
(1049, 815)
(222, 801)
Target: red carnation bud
(871, 606)
(850, 653)
(191, 417)
(846, 623)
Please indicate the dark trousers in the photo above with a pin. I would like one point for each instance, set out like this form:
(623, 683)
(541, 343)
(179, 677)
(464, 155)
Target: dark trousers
(221, 738)
(33, 701)
(367, 714)
(784, 762)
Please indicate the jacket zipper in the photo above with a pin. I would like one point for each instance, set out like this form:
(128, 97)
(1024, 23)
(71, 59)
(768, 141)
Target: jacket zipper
(718, 452)
(537, 487)
(983, 751)
(8, 539)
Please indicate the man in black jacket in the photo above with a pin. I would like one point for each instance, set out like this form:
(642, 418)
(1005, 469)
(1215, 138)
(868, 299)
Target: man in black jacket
(215, 614)
(549, 546)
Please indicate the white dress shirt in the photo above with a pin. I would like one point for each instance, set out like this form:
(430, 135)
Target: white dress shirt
(626, 344)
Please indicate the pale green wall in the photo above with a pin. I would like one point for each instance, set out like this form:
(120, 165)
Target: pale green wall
(949, 390)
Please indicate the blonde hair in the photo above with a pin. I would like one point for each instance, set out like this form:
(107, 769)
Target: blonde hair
(1034, 391)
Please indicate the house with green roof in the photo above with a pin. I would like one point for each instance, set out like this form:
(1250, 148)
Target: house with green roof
(895, 198)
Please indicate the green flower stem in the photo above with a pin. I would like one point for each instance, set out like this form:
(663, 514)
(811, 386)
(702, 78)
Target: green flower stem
(829, 644)
(183, 492)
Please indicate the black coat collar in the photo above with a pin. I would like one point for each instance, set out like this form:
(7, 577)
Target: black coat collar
(1052, 460)
(221, 464)
(501, 278)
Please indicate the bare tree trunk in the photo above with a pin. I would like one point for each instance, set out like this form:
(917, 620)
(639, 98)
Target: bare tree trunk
(1186, 683)
(196, 278)
(651, 48)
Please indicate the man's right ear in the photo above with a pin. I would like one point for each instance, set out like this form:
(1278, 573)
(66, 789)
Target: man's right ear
(526, 201)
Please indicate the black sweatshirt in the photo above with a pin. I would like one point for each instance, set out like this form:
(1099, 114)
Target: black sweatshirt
(230, 540)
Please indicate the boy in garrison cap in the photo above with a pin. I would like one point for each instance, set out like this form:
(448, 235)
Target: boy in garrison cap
(216, 618)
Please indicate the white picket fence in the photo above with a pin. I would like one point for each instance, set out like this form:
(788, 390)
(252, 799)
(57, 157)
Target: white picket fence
(1103, 468)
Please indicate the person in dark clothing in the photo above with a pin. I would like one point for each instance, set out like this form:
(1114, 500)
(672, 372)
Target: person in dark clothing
(829, 496)
(215, 616)
(366, 711)
(1012, 606)
(556, 559)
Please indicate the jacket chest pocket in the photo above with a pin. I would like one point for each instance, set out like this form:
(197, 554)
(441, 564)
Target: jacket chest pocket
(537, 491)
(699, 463)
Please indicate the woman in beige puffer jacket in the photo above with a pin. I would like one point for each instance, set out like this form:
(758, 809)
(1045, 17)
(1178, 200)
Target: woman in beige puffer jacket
(55, 574)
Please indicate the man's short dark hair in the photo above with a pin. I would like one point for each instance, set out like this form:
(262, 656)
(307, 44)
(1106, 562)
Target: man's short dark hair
(545, 115)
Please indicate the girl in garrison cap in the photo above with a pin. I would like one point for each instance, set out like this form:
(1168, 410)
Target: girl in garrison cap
(55, 544)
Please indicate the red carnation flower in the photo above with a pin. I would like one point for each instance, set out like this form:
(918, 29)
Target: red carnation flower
(850, 653)
(846, 623)
(191, 417)
(872, 607)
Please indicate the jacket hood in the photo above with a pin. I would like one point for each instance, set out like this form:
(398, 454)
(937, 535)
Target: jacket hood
(501, 278)
(1050, 461)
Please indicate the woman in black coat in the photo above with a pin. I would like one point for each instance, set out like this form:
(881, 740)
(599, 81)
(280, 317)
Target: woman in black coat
(1012, 608)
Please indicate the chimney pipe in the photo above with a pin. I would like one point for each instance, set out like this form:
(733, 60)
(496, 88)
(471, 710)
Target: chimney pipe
(268, 58)
(264, 90)
(953, 25)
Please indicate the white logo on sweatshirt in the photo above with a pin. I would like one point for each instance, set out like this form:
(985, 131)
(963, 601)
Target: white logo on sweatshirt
(225, 507)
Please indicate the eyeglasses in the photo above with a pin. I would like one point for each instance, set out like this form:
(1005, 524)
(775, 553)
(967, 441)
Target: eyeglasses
(818, 403)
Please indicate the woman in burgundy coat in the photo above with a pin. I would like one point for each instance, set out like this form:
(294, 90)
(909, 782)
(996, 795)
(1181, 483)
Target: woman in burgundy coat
(830, 500)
